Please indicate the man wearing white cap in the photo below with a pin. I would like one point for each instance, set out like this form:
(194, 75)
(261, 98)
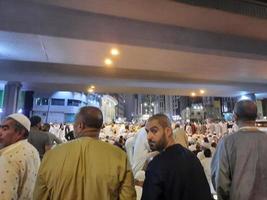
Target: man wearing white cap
(19, 160)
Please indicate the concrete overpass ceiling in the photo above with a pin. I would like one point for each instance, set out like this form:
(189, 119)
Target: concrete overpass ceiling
(183, 65)
(166, 47)
(170, 12)
(36, 75)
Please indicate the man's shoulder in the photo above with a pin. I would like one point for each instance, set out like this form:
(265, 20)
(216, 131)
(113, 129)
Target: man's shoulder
(38, 134)
(108, 148)
(83, 142)
(20, 150)
(241, 133)
(175, 151)
(179, 131)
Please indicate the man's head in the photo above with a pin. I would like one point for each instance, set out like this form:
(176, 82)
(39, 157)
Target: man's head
(89, 119)
(245, 110)
(213, 144)
(159, 132)
(36, 121)
(46, 127)
(207, 153)
(14, 128)
(177, 126)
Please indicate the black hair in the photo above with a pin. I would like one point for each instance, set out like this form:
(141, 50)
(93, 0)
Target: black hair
(177, 126)
(162, 119)
(246, 110)
(35, 120)
(207, 153)
(46, 127)
(213, 144)
(205, 139)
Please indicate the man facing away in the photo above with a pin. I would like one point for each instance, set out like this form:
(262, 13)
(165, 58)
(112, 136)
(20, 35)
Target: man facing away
(85, 168)
(37, 138)
(239, 166)
(19, 160)
(175, 173)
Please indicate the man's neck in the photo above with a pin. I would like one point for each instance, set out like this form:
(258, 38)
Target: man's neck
(170, 143)
(90, 132)
(35, 128)
(246, 123)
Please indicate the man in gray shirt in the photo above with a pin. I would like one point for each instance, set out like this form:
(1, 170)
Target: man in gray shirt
(37, 138)
(239, 166)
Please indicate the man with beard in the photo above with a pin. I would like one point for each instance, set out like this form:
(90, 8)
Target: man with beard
(175, 173)
(85, 168)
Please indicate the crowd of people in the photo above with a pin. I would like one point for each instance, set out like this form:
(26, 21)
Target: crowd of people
(155, 160)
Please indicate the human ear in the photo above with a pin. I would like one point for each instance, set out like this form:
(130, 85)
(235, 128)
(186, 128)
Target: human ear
(19, 135)
(81, 125)
(168, 132)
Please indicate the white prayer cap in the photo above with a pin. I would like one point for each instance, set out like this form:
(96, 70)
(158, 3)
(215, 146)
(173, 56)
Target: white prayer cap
(22, 119)
(140, 175)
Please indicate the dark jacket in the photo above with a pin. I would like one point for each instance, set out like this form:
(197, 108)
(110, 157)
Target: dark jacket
(175, 174)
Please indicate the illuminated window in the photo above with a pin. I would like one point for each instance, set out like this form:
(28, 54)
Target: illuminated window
(73, 102)
(58, 102)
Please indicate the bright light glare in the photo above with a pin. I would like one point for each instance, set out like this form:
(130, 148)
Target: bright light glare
(114, 52)
(90, 90)
(244, 97)
(108, 61)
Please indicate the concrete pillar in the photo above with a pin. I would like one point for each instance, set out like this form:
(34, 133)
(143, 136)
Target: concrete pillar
(11, 96)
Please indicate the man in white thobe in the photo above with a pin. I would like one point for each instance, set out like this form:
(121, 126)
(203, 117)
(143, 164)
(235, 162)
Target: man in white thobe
(141, 150)
(19, 160)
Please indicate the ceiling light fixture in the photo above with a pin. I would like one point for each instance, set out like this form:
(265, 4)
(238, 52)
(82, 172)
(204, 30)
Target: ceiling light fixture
(193, 94)
(202, 91)
(92, 86)
(114, 52)
(108, 62)
(90, 90)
